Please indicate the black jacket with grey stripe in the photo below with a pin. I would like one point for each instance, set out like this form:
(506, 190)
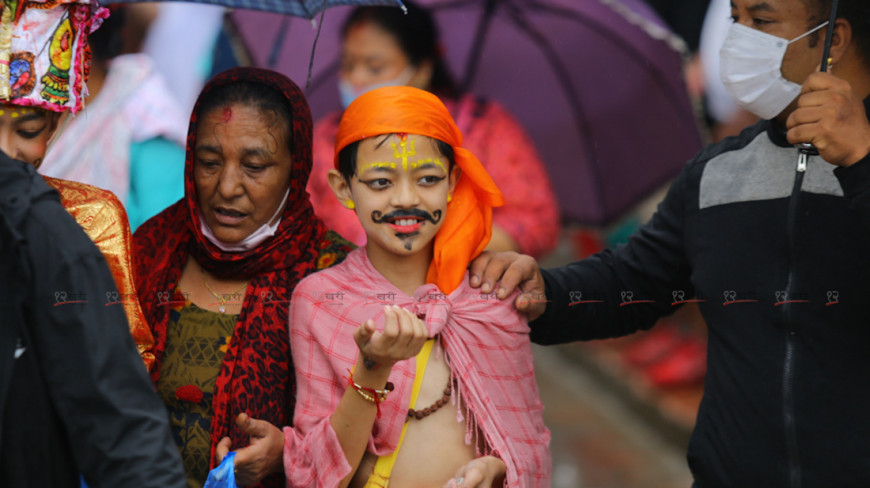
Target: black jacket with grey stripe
(780, 260)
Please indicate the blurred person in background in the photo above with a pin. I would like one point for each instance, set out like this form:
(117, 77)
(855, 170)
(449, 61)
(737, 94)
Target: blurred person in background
(129, 138)
(384, 46)
(183, 50)
(684, 17)
(726, 117)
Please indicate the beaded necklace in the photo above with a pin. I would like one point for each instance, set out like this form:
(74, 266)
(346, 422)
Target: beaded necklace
(421, 414)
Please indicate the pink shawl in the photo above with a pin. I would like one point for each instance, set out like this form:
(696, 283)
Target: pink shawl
(487, 346)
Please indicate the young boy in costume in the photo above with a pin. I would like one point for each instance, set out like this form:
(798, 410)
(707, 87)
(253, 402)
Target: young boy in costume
(406, 375)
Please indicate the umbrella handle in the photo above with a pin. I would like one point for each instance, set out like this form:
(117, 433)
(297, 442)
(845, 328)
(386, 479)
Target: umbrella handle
(806, 148)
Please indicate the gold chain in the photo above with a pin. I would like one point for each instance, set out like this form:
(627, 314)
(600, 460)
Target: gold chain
(220, 298)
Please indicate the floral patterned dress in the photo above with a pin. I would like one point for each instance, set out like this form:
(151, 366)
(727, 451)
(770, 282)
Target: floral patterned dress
(196, 343)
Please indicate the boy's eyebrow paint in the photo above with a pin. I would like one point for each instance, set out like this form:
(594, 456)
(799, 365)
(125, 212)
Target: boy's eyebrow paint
(419, 164)
(428, 163)
(383, 166)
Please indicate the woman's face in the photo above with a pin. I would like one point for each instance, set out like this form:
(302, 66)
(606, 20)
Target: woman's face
(25, 132)
(371, 56)
(241, 169)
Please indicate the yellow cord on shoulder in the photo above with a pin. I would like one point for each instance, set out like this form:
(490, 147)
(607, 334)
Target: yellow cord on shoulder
(380, 477)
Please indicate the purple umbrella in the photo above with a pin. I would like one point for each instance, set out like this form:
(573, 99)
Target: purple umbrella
(597, 83)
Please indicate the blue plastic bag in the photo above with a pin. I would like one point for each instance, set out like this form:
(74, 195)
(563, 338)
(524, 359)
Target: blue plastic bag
(223, 476)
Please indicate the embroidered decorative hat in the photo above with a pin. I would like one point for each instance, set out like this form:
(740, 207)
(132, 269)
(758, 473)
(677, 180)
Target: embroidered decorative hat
(44, 52)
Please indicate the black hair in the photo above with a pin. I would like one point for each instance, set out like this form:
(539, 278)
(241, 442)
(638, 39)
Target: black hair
(347, 158)
(107, 42)
(262, 97)
(857, 12)
(417, 36)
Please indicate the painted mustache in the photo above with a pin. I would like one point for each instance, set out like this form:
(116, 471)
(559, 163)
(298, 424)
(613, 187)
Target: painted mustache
(380, 218)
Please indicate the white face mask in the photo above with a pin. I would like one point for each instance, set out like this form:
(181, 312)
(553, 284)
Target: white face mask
(751, 70)
(256, 238)
(349, 92)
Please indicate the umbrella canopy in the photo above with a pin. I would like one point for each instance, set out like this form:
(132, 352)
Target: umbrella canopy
(299, 8)
(598, 84)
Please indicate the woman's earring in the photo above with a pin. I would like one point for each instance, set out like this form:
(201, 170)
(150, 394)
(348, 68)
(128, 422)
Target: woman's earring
(349, 204)
(449, 198)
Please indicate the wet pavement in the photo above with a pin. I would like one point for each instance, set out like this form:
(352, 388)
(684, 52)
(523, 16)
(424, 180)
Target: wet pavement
(598, 440)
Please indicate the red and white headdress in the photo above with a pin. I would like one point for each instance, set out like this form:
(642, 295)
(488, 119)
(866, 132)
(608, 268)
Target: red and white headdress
(44, 53)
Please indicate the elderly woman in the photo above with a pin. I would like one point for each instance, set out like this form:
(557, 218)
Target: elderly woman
(219, 266)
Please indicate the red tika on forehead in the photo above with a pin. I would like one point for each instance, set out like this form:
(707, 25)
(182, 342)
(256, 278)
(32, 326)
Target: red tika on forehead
(402, 135)
(228, 114)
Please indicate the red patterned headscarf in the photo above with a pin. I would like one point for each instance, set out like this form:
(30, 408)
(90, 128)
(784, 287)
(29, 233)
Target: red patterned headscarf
(256, 375)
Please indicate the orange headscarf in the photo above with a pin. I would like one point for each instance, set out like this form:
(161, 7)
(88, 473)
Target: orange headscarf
(467, 225)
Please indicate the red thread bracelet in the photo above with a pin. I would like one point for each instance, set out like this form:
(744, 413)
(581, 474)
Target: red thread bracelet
(370, 394)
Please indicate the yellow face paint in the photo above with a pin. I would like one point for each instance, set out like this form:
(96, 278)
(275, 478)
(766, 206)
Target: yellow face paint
(407, 150)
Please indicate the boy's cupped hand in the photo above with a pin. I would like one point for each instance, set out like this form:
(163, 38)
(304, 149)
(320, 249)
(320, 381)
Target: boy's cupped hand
(402, 338)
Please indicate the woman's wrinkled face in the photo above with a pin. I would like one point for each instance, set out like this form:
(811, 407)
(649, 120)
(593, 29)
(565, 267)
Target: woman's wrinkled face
(241, 170)
(25, 132)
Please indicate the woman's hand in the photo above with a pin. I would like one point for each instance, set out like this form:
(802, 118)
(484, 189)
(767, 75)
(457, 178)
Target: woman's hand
(403, 336)
(262, 457)
(482, 472)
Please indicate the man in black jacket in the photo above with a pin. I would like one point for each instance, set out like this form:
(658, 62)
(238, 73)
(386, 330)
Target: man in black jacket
(74, 394)
(775, 247)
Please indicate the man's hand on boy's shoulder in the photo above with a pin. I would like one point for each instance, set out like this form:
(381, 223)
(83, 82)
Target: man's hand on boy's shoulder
(511, 270)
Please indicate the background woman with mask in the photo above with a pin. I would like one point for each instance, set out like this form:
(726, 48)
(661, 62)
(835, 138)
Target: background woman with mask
(382, 47)
(218, 269)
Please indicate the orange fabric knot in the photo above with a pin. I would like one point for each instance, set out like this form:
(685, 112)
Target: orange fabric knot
(189, 393)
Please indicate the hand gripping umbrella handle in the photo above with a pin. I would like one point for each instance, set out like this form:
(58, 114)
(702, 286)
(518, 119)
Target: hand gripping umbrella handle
(806, 148)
